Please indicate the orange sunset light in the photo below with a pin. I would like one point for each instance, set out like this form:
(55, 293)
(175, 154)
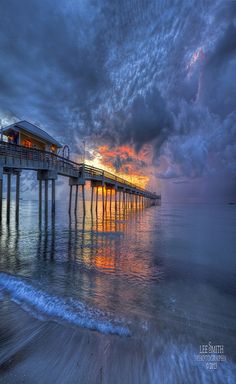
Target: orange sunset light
(125, 162)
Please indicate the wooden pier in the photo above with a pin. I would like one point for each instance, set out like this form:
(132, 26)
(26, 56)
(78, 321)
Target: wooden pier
(15, 158)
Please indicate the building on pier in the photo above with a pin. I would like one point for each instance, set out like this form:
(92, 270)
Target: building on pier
(30, 136)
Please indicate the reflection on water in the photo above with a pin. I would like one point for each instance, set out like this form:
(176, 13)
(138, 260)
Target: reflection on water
(162, 276)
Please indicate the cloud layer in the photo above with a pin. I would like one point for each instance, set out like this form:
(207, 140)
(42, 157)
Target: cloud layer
(127, 73)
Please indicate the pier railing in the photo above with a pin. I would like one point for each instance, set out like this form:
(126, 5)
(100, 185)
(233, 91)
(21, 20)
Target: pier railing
(96, 172)
(33, 154)
(55, 161)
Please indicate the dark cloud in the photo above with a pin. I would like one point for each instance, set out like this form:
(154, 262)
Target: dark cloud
(148, 120)
(53, 59)
(225, 48)
(126, 72)
(219, 91)
(145, 120)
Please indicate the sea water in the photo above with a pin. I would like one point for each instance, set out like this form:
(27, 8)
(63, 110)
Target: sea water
(135, 296)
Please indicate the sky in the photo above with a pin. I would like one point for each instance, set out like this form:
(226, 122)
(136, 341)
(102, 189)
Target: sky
(149, 86)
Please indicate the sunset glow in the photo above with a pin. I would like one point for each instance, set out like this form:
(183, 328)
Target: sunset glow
(125, 162)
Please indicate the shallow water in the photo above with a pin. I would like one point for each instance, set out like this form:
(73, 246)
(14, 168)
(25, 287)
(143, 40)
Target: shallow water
(126, 298)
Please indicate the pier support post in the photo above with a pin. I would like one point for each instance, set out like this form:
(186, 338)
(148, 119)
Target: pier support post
(110, 198)
(46, 175)
(46, 200)
(8, 196)
(76, 199)
(115, 200)
(96, 199)
(103, 200)
(40, 201)
(83, 194)
(17, 196)
(53, 198)
(91, 207)
(70, 200)
(77, 181)
(106, 200)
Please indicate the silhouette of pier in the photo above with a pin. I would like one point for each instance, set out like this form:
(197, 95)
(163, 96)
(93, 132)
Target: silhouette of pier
(48, 165)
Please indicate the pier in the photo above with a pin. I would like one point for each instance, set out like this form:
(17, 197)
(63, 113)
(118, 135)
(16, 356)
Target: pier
(48, 165)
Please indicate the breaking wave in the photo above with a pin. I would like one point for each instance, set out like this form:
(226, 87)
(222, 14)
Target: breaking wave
(46, 306)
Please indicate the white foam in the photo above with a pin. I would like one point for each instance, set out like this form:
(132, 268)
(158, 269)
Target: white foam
(73, 311)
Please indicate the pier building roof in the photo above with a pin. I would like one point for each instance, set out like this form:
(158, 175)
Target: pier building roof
(31, 129)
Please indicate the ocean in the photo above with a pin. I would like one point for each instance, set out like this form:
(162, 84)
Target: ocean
(145, 296)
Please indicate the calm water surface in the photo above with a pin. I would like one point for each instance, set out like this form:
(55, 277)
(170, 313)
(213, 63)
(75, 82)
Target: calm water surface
(128, 298)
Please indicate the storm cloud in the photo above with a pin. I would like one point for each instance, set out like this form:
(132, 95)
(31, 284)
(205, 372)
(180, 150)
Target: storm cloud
(126, 73)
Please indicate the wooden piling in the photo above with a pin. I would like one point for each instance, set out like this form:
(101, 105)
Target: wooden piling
(46, 200)
(103, 202)
(83, 194)
(17, 196)
(91, 207)
(8, 196)
(110, 198)
(40, 201)
(115, 200)
(106, 200)
(70, 200)
(76, 199)
(53, 198)
(96, 199)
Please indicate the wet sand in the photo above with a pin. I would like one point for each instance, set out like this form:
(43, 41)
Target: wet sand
(39, 352)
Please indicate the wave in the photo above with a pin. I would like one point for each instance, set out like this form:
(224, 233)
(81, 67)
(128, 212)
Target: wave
(36, 301)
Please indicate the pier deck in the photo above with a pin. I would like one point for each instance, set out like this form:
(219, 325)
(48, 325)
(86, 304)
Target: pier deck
(15, 158)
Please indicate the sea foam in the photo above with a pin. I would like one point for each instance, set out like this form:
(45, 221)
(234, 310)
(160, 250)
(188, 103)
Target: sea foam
(47, 306)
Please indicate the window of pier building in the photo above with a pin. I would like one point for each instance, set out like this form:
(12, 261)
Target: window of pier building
(27, 143)
(53, 148)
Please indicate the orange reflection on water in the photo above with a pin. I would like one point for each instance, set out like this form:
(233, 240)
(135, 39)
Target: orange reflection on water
(102, 242)
(105, 262)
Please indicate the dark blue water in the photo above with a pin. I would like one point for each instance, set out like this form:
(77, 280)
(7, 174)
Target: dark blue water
(128, 298)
